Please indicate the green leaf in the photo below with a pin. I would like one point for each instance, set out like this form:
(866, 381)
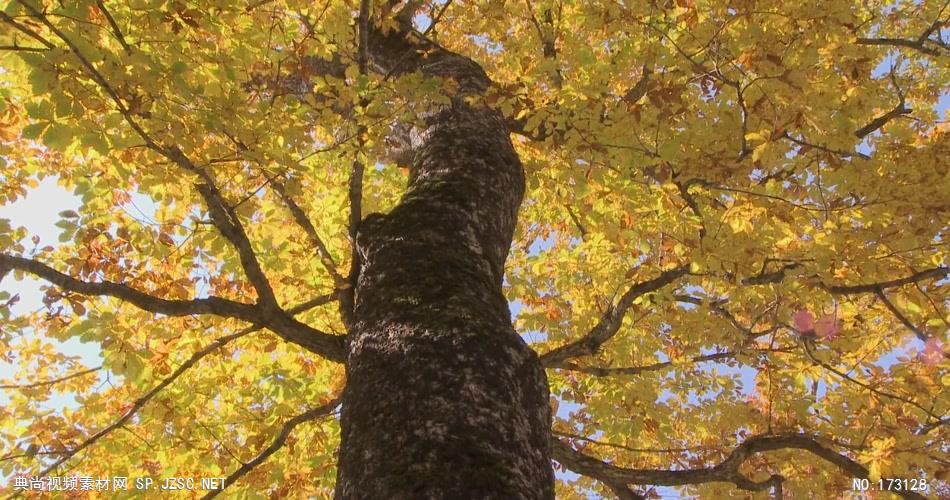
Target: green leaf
(58, 136)
(97, 142)
(40, 110)
(41, 80)
(34, 130)
(63, 104)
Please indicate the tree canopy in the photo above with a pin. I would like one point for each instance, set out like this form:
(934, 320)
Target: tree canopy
(731, 255)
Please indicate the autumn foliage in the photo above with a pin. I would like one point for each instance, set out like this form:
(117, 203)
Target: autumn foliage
(735, 231)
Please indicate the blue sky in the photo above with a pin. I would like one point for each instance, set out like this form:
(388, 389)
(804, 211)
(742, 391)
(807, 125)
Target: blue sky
(38, 212)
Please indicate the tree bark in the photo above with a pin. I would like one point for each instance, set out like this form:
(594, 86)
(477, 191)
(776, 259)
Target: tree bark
(443, 398)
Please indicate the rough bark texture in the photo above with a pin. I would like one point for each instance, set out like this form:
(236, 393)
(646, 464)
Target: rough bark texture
(443, 398)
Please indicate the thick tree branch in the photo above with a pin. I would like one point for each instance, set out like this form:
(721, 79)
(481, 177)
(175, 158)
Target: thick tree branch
(826, 149)
(225, 219)
(875, 288)
(777, 276)
(623, 491)
(210, 305)
(23, 29)
(920, 43)
(398, 52)
(612, 475)
(903, 319)
(900, 42)
(19, 48)
(935, 273)
(900, 316)
(610, 321)
(599, 371)
(693, 206)
(355, 195)
(770, 277)
(639, 89)
(280, 322)
(548, 40)
(270, 314)
(576, 221)
(726, 471)
(355, 183)
(880, 121)
(277, 443)
(363, 30)
(899, 110)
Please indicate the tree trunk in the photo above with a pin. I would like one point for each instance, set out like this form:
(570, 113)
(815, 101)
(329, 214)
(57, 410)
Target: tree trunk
(443, 398)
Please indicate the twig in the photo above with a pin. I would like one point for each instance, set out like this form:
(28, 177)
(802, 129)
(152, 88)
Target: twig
(115, 26)
(611, 320)
(184, 367)
(53, 381)
(276, 444)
